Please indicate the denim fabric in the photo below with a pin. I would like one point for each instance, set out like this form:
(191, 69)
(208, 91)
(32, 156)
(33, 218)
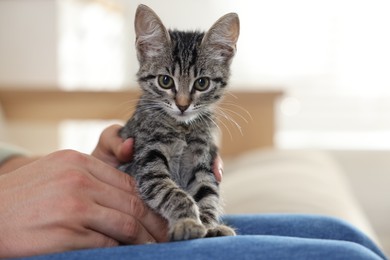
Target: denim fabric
(259, 237)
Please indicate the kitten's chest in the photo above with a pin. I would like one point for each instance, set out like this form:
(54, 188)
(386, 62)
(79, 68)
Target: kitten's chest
(181, 166)
(184, 146)
(193, 150)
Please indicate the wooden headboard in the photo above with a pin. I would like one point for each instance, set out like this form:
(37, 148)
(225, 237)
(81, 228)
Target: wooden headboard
(252, 112)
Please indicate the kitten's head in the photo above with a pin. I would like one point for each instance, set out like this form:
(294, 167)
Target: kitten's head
(185, 73)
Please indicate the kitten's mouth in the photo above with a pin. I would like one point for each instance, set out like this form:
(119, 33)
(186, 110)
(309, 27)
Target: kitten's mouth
(185, 117)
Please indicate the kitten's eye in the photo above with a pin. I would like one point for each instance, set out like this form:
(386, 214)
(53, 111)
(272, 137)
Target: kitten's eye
(202, 84)
(165, 82)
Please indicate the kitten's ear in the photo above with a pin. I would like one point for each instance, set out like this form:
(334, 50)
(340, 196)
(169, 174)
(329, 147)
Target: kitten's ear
(221, 39)
(151, 35)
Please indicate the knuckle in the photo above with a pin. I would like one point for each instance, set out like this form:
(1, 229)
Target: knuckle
(107, 242)
(75, 157)
(74, 206)
(131, 228)
(129, 181)
(110, 131)
(77, 180)
(69, 156)
(137, 207)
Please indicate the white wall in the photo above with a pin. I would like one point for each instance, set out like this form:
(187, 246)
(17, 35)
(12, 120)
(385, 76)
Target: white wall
(28, 42)
(331, 58)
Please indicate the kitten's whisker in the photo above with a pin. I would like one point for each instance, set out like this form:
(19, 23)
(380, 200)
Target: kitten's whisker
(209, 117)
(218, 118)
(230, 119)
(137, 103)
(126, 107)
(237, 114)
(237, 106)
(226, 127)
(231, 94)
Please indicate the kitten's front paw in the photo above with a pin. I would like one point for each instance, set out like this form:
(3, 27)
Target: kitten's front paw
(187, 229)
(220, 231)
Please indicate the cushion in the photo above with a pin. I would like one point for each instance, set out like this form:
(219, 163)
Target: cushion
(291, 181)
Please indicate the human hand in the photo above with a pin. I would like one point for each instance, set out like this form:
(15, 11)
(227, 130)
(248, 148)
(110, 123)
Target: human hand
(112, 149)
(68, 201)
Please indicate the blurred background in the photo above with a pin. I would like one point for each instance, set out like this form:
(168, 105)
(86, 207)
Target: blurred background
(331, 60)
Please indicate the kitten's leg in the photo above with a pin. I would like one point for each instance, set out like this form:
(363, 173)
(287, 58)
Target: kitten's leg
(203, 186)
(162, 194)
(205, 191)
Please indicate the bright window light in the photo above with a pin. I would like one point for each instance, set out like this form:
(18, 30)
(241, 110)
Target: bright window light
(91, 44)
(331, 58)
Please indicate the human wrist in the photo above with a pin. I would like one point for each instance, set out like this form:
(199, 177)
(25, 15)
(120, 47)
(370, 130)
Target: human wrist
(14, 162)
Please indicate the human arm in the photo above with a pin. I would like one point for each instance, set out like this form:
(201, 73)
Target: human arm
(14, 162)
(12, 157)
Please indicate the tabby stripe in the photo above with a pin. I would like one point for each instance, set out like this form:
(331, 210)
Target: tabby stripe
(203, 192)
(191, 180)
(147, 78)
(220, 80)
(155, 140)
(183, 214)
(162, 138)
(150, 176)
(197, 140)
(148, 192)
(184, 204)
(152, 191)
(207, 217)
(198, 168)
(166, 197)
(193, 58)
(154, 155)
(216, 97)
(172, 70)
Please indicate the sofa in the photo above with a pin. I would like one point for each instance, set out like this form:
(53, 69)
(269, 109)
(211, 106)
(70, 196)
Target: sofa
(291, 181)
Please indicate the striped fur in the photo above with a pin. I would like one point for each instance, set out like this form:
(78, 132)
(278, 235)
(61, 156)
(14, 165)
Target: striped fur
(173, 127)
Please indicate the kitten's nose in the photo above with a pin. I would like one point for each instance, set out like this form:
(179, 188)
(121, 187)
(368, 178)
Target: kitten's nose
(182, 108)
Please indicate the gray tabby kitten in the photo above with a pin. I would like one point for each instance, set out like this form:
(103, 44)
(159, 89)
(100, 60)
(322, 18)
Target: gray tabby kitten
(182, 76)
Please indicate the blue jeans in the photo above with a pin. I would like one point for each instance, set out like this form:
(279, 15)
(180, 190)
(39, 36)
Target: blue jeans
(267, 236)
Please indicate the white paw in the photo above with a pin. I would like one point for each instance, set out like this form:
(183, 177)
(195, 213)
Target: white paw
(187, 229)
(220, 231)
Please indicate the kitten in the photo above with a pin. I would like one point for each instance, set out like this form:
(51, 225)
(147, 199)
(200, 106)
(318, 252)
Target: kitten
(182, 76)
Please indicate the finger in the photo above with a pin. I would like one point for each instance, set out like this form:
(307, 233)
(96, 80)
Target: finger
(108, 174)
(218, 168)
(124, 152)
(156, 225)
(119, 226)
(114, 144)
(132, 204)
(109, 142)
(70, 240)
(90, 239)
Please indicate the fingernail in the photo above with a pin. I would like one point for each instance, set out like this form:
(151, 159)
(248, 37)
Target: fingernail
(220, 170)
